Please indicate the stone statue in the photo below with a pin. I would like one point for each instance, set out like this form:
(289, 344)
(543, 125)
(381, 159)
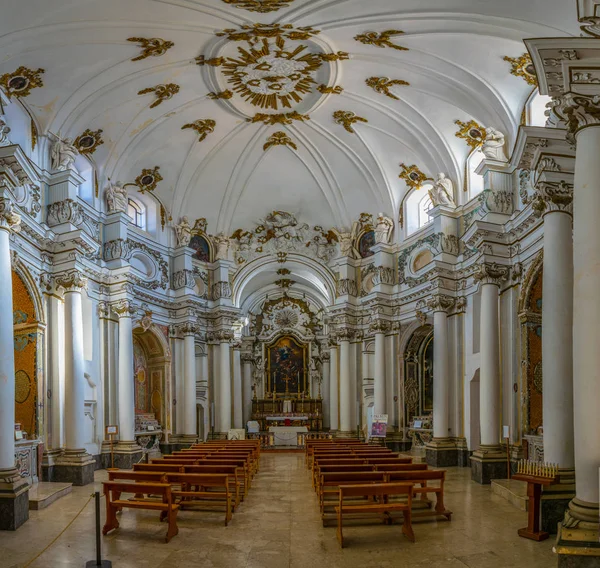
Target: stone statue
(4, 130)
(347, 239)
(222, 242)
(183, 231)
(282, 225)
(383, 229)
(63, 155)
(493, 145)
(116, 197)
(442, 192)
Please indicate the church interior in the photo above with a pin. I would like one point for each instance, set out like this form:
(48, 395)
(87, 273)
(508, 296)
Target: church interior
(300, 282)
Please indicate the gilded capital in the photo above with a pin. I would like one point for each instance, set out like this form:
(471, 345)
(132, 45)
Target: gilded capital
(123, 308)
(553, 196)
(491, 273)
(9, 220)
(72, 281)
(440, 303)
(577, 111)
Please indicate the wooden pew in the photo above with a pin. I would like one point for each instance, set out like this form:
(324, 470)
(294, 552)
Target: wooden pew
(382, 492)
(329, 484)
(422, 478)
(168, 509)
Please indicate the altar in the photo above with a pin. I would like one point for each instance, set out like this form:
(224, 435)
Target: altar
(287, 435)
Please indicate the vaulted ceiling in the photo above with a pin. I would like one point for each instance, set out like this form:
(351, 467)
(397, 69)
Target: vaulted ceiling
(231, 165)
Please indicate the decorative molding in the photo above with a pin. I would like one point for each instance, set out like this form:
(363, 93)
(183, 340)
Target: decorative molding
(339, 56)
(88, 142)
(279, 139)
(183, 279)
(212, 62)
(381, 39)
(553, 196)
(220, 336)
(383, 275)
(67, 211)
(491, 273)
(202, 127)
(577, 111)
(347, 118)
(384, 84)
(19, 83)
(162, 93)
(379, 326)
(496, 201)
(189, 328)
(220, 290)
(282, 118)
(284, 283)
(347, 287)
(449, 244)
(522, 66)
(151, 47)
(9, 220)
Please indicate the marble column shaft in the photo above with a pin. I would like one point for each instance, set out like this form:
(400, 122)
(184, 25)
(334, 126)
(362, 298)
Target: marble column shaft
(190, 416)
(333, 388)
(346, 393)
(125, 310)
(237, 388)
(379, 394)
(224, 386)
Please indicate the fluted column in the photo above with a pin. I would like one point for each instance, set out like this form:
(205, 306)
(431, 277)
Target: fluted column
(190, 416)
(224, 381)
(14, 496)
(346, 393)
(334, 378)
(125, 311)
(379, 328)
(237, 385)
(489, 462)
(247, 361)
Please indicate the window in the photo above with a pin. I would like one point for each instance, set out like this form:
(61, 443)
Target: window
(424, 206)
(418, 203)
(535, 109)
(136, 212)
(474, 180)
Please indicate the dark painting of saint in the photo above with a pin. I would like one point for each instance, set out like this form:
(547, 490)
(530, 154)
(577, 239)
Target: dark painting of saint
(286, 359)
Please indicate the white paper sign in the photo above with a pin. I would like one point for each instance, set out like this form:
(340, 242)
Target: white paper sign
(505, 431)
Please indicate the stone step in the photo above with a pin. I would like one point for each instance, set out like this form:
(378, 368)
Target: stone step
(515, 492)
(45, 493)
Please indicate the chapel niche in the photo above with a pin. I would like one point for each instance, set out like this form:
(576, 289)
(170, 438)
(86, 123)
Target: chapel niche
(418, 374)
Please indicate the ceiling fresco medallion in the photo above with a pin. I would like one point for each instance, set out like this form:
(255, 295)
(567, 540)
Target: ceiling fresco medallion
(347, 118)
(203, 127)
(19, 83)
(261, 6)
(88, 142)
(523, 67)
(413, 176)
(151, 46)
(148, 179)
(473, 133)
(279, 139)
(384, 84)
(381, 39)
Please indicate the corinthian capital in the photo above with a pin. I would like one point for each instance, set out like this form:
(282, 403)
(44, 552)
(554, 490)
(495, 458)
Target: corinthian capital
(72, 281)
(577, 111)
(9, 220)
(491, 273)
(345, 334)
(440, 303)
(379, 326)
(553, 196)
(188, 328)
(123, 309)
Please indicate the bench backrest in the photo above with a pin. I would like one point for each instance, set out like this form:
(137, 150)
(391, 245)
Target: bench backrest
(229, 469)
(148, 488)
(126, 474)
(210, 479)
(165, 467)
(352, 477)
(417, 475)
(400, 466)
(357, 467)
(376, 489)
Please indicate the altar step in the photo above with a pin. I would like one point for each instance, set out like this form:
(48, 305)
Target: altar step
(45, 493)
(515, 492)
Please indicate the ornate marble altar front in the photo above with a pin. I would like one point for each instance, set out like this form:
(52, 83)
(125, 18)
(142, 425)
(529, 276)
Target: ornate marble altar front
(287, 435)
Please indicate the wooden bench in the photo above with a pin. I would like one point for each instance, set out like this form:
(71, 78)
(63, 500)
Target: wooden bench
(382, 493)
(114, 503)
(422, 478)
(329, 484)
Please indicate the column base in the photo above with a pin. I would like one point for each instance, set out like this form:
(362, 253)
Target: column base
(441, 452)
(556, 499)
(462, 452)
(125, 454)
(14, 500)
(49, 463)
(487, 463)
(74, 466)
(577, 543)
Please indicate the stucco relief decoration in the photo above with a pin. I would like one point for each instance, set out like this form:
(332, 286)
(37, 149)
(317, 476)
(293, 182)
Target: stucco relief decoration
(148, 179)
(383, 85)
(261, 6)
(282, 118)
(474, 134)
(279, 139)
(286, 313)
(202, 127)
(413, 176)
(151, 47)
(88, 142)
(522, 66)
(161, 92)
(19, 83)
(381, 39)
(347, 119)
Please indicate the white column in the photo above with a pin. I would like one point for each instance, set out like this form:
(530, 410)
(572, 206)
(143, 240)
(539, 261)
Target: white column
(325, 390)
(56, 369)
(224, 380)
(557, 320)
(379, 382)
(237, 386)
(441, 372)
(334, 378)
(8, 220)
(346, 419)
(73, 284)
(188, 404)
(490, 275)
(125, 310)
(246, 387)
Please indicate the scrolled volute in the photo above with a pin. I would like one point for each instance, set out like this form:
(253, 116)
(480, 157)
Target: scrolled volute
(123, 308)
(72, 281)
(491, 273)
(553, 196)
(577, 111)
(188, 328)
(379, 326)
(440, 303)
(9, 220)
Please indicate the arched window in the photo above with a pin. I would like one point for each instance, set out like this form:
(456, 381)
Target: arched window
(418, 203)
(535, 109)
(424, 206)
(137, 213)
(474, 180)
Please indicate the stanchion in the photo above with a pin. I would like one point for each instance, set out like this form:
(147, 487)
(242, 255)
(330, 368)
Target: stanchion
(98, 561)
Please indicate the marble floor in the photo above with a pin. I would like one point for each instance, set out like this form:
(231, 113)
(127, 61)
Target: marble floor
(279, 526)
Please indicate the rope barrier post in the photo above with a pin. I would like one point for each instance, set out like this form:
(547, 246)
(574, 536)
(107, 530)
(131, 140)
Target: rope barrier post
(98, 561)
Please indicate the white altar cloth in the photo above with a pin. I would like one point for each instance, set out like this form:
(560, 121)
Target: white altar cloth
(286, 435)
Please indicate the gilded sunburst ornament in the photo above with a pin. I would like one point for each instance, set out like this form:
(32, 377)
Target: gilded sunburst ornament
(162, 92)
(151, 46)
(523, 67)
(272, 75)
(203, 127)
(384, 84)
(261, 6)
(473, 133)
(347, 118)
(279, 139)
(381, 39)
(413, 176)
(19, 83)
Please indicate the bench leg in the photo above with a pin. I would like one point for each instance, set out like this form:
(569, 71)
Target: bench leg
(407, 526)
(340, 535)
(227, 510)
(111, 517)
(172, 529)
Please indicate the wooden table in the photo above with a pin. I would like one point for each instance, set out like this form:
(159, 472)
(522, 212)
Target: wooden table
(534, 492)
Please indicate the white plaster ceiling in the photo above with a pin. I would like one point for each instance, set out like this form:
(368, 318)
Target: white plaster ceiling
(454, 66)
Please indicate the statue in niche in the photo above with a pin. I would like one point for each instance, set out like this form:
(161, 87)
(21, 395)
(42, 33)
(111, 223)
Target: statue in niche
(442, 191)
(183, 232)
(493, 145)
(347, 239)
(63, 155)
(383, 229)
(4, 130)
(116, 197)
